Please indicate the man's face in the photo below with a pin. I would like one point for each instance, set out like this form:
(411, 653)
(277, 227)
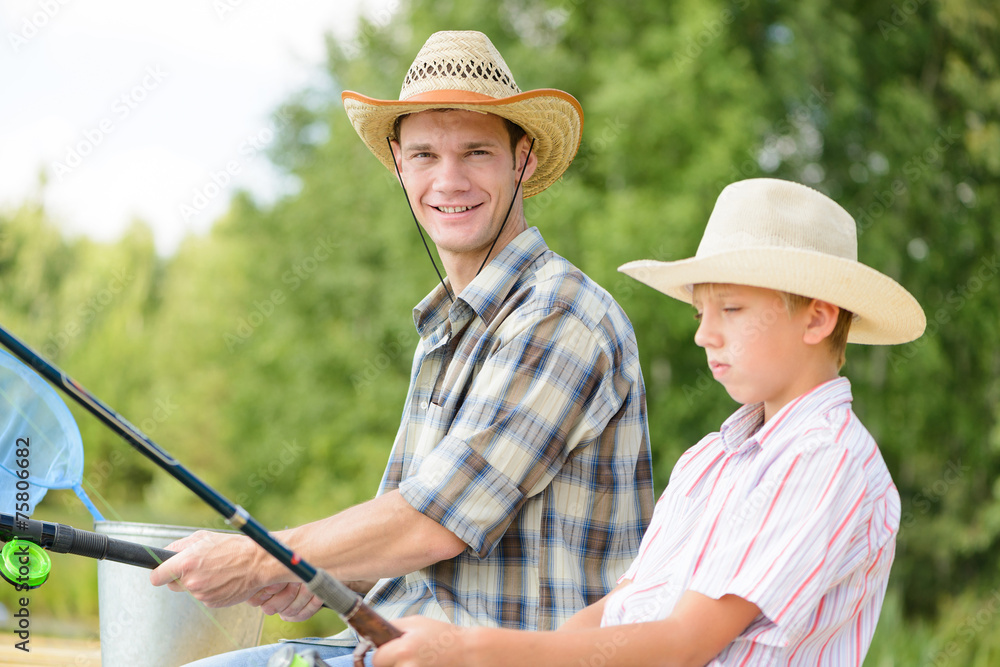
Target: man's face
(460, 176)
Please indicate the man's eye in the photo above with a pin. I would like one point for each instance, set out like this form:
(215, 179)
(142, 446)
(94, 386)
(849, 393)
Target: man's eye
(697, 316)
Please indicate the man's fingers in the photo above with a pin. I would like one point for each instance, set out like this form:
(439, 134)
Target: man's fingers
(173, 569)
(194, 538)
(265, 594)
(293, 601)
(314, 605)
(303, 606)
(281, 600)
(165, 573)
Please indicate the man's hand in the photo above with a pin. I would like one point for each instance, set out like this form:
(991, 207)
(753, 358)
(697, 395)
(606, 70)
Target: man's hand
(383, 537)
(218, 569)
(424, 642)
(293, 601)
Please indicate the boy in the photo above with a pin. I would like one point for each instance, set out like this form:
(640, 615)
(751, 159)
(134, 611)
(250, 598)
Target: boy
(773, 540)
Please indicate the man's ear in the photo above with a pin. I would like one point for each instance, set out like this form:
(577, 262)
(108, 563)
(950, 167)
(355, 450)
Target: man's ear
(397, 156)
(522, 150)
(821, 320)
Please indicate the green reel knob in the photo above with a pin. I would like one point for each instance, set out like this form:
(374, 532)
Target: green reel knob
(24, 563)
(287, 657)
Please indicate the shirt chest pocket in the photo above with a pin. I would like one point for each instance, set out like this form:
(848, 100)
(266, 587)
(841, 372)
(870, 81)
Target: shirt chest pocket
(432, 431)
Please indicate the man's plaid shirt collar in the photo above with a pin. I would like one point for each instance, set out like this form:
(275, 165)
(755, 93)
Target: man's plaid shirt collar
(486, 293)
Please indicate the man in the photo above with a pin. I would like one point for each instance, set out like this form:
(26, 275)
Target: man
(519, 483)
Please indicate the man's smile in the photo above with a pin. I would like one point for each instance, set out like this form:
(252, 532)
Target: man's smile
(455, 209)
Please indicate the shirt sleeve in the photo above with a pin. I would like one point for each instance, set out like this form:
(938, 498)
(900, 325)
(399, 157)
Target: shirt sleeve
(545, 390)
(784, 544)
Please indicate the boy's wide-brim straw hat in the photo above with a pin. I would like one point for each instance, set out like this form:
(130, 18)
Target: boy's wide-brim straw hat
(788, 237)
(463, 70)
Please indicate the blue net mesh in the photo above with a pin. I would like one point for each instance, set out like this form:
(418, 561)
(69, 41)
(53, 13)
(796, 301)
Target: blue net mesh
(37, 434)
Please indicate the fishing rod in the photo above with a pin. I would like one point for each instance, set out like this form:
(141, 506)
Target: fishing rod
(24, 537)
(348, 604)
(62, 539)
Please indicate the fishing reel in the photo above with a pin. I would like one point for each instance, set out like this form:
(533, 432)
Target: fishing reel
(287, 657)
(24, 564)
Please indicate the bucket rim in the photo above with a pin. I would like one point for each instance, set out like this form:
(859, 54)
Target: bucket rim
(134, 528)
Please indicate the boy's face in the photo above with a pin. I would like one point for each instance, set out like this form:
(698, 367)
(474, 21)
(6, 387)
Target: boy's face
(755, 348)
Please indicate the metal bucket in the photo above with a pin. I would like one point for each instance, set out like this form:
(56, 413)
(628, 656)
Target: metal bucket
(153, 626)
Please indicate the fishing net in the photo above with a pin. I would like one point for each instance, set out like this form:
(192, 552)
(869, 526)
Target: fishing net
(40, 443)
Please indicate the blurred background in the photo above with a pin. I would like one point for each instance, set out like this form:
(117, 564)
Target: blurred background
(206, 244)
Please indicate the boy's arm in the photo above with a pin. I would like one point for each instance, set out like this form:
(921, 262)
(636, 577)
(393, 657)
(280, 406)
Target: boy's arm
(698, 629)
(590, 616)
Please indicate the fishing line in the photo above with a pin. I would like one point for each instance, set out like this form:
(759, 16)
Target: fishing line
(509, 208)
(417, 223)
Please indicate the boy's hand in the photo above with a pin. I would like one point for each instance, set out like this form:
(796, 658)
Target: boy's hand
(424, 642)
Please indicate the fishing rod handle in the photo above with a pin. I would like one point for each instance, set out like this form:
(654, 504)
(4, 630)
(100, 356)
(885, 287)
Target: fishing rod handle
(101, 547)
(361, 617)
(62, 539)
(373, 627)
(132, 553)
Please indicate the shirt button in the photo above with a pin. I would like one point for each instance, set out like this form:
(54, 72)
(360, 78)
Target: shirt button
(423, 405)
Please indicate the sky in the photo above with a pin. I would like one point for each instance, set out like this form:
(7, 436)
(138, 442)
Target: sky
(154, 111)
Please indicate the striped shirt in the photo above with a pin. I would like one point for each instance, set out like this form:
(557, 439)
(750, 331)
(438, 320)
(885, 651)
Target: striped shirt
(798, 515)
(524, 433)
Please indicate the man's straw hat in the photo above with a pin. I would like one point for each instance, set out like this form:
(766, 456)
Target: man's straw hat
(463, 70)
(784, 236)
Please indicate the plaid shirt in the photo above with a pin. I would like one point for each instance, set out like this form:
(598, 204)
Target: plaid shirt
(524, 433)
(798, 515)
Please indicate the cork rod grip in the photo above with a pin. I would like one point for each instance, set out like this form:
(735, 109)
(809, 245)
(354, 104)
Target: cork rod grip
(371, 626)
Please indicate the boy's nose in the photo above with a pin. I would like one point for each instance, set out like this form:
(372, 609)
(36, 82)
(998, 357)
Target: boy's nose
(707, 334)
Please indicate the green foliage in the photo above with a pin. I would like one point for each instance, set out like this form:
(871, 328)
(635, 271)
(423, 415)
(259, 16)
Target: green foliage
(272, 356)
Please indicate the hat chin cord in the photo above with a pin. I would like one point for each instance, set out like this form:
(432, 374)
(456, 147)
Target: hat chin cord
(510, 208)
